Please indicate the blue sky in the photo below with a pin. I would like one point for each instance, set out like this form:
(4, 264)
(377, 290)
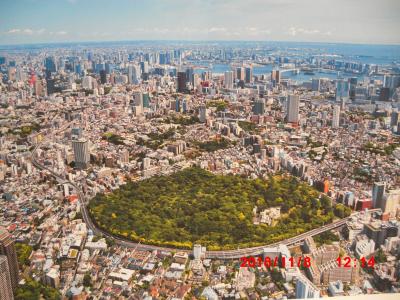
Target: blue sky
(350, 21)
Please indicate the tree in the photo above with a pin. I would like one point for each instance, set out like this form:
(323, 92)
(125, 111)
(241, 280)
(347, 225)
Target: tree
(23, 253)
(341, 211)
(87, 280)
(380, 256)
(326, 203)
(33, 290)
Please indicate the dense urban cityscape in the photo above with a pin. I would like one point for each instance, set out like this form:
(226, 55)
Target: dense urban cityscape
(199, 170)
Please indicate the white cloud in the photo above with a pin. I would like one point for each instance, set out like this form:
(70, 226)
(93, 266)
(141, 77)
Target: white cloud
(28, 31)
(217, 29)
(14, 30)
(294, 31)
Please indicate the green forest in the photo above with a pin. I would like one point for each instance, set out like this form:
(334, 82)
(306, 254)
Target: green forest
(196, 206)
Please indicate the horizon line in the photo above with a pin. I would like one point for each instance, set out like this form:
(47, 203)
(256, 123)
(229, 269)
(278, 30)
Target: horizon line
(194, 41)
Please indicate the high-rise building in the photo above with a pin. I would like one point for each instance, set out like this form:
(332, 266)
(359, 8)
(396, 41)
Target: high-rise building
(138, 98)
(378, 191)
(189, 74)
(38, 88)
(293, 104)
(336, 116)
(352, 87)
(144, 66)
(181, 88)
(50, 86)
(391, 82)
(6, 289)
(305, 289)
(259, 107)
(316, 84)
(342, 89)
(194, 80)
(7, 248)
(249, 74)
(81, 153)
(87, 82)
(384, 94)
(203, 113)
(50, 64)
(391, 202)
(395, 118)
(240, 74)
(343, 104)
(177, 105)
(228, 80)
(133, 74)
(163, 58)
(103, 76)
(146, 100)
(275, 77)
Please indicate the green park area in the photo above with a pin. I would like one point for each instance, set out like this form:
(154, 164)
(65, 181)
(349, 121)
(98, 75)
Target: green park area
(196, 206)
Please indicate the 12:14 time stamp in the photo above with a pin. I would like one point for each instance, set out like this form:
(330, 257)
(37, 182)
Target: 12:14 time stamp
(348, 262)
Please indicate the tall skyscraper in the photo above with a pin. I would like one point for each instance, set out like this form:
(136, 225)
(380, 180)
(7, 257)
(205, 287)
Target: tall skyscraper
(146, 100)
(378, 191)
(6, 289)
(133, 74)
(391, 202)
(50, 64)
(189, 74)
(144, 67)
(228, 80)
(275, 77)
(103, 76)
(240, 74)
(384, 94)
(81, 153)
(138, 98)
(38, 88)
(395, 118)
(293, 109)
(259, 107)
(391, 82)
(181, 88)
(249, 74)
(163, 58)
(336, 116)
(7, 248)
(342, 89)
(177, 105)
(352, 87)
(203, 113)
(316, 84)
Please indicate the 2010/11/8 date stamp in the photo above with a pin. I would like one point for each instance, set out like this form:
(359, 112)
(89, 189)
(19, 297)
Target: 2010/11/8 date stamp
(283, 262)
(280, 261)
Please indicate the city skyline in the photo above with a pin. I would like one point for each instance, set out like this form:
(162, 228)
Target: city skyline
(43, 21)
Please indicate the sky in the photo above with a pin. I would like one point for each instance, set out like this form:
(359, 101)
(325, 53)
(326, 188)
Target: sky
(347, 21)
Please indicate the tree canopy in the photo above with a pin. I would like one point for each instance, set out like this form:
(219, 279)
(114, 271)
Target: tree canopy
(196, 206)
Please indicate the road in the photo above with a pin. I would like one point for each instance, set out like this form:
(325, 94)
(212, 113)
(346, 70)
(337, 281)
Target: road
(228, 254)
